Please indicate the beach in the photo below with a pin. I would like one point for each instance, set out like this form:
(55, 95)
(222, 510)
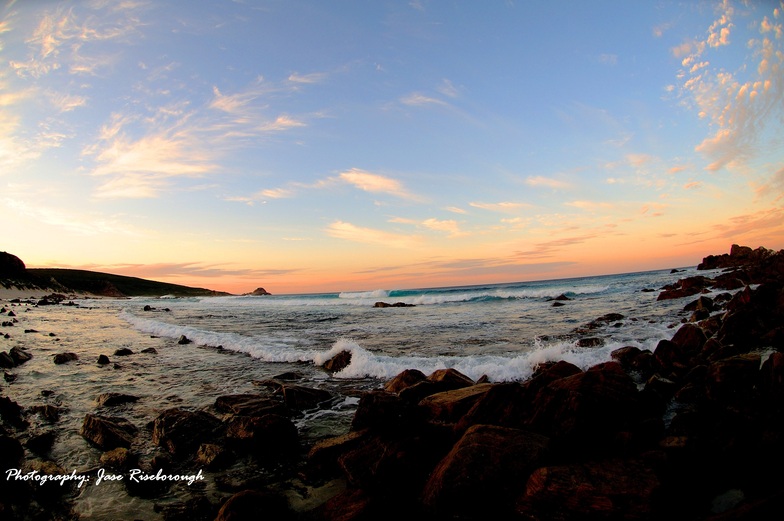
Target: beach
(330, 407)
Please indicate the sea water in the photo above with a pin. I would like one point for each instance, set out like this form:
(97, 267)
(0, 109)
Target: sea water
(500, 331)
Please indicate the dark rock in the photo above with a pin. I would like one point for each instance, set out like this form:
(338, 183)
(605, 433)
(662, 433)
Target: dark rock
(120, 459)
(19, 355)
(150, 351)
(62, 358)
(405, 379)
(12, 413)
(10, 265)
(6, 361)
(300, 398)
(289, 376)
(41, 443)
(772, 378)
(249, 405)
(107, 432)
(213, 456)
(590, 342)
(111, 399)
(322, 457)
(381, 410)
(610, 489)
(450, 378)
(483, 472)
(181, 432)
(255, 504)
(395, 305)
(558, 304)
(49, 413)
(11, 452)
(183, 340)
(338, 362)
(690, 338)
(123, 351)
(450, 406)
(271, 436)
(258, 292)
(733, 379)
(103, 360)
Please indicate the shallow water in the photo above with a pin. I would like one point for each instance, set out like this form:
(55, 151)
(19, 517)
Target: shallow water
(501, 331)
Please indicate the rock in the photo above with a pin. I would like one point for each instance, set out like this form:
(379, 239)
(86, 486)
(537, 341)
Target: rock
(395, 305)
(11, 452)
(482, 474)
(41, 443)
(111, 399)
(150, 351)
(558, 304)
(322, 457)
(271, 436)
(255, 504)
(590, 342)
(124, 351)
(450, 406)
(10, 265)
(505, 404)
(258, 292)
(6, 361)
(49, 413)
(609, 489)
(108, 432)
(338, 362)
(62, 358)
(19, 355)
(249, 405)
(405, 379)
(12, 413)
(582, 412)
(382, 410)
(300, 398)
(103, 360)
(733, 379)
(213, 456)
(120, 459)
(183, 340)
(450, 379)
(690, 338)
(772, 378)
(181, 432)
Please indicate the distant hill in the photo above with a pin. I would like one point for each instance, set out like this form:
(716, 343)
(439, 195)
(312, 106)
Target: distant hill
(14, 274)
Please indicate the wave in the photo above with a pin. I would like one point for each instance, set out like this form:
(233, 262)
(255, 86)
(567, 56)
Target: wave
(367, 364)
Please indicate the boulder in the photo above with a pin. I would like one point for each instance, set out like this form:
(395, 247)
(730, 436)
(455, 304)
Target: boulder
(609, 489)
(183, 340)
(255, 504)
(271, 436)
(181, 431)
(450, 379)
(10, 265)
(108, 432)
(450, 406)
(482, 474)
(249, 405)
(19, 355)
(111, 399)
(213, 456)
(405, 379)
(62, 358)
(12, 413)
(338, 362)
(300, 397)
(120, 459)
(103, 360)
(123, 351)
(732, 379)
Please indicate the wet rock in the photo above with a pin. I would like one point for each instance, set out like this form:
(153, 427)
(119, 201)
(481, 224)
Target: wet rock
(41, 443)
(150, 351)
(108, 432)
(103, 360)
(62, 358)
(338, 362)
(19, 355)
(120, 459)
(300, 398)
(610, 489)
(6, 361)
(449, 379)
(322, 457)
(181, 432)
(450, 406)
(49, 413)
(12, 413)
(405, 379)
(733, 378)
(183, 340)
(112, 399)
(590, 342)
(213, 456)
(255, 504)
(249, 405)
(395, 305)
(483, 473)
(11, 452)
(123, 351)
(271, 436)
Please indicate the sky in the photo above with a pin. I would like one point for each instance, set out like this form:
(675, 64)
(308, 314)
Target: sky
(319, 146)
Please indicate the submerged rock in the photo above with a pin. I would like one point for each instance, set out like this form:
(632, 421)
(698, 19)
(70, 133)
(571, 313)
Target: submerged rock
(108, 432)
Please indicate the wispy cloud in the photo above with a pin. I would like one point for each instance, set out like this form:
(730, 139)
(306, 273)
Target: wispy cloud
(551, 248)
(417, 99)
(503, 207)
(547, 182)
(350, 232)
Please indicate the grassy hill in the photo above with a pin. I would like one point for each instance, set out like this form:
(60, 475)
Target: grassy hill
(107, 284)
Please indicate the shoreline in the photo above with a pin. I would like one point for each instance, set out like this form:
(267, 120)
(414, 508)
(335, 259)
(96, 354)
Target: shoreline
(672, 432)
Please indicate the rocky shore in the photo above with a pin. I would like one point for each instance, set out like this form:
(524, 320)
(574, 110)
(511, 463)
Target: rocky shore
(692, 430)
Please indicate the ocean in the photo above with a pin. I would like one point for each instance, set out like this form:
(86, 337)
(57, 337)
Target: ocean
(499, 331)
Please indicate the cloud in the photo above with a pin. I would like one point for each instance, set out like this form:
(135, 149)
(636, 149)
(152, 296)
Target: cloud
(590, 205)
(71, 222)
(503, 207)
(375, 183)
(315, 77)
(551, 248)
(738, 104)
(448, 89)
(547, 182)
(450, 226)
(350, 232)
(774, 186)
(692, 185)
(416, 99)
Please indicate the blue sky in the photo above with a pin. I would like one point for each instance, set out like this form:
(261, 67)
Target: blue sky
(315, 146)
